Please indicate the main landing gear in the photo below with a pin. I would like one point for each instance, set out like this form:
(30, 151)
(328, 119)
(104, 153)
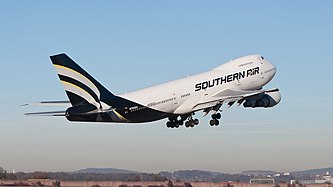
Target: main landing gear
(215, 119)
(191, 122)
(175, 123)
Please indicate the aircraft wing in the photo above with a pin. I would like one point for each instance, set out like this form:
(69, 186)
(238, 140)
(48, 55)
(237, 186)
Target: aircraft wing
(229, 96)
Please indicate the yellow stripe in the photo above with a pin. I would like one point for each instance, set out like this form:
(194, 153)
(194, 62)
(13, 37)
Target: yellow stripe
(64, 82)
(120, 116)
(64, 67)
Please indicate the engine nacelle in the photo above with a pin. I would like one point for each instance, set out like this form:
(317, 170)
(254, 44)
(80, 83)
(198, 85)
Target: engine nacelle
(266, 100)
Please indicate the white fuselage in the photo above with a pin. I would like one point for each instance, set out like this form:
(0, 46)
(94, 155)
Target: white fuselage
(182, 96)
(238, 81)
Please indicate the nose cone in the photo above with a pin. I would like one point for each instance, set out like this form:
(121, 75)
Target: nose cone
(269, 70)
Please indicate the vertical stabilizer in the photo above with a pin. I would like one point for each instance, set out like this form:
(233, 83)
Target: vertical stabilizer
(81, 88)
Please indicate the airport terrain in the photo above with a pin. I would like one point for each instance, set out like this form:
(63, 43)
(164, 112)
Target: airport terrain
(120, 177)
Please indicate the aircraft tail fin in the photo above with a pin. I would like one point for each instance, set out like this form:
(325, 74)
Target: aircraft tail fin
(81, 88)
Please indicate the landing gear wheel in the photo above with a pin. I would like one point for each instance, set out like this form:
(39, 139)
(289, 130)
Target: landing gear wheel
(215, 119)
(216, 122)
(192, 123)
(174, 122)
(196, 122)
(216, 116)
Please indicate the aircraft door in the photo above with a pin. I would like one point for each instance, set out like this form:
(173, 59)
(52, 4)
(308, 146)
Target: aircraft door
(174, 102)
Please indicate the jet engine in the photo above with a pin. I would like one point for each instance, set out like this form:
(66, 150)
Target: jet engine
(268, 99)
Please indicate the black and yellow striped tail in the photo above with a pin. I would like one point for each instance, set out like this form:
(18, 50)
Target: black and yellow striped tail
(81, 88)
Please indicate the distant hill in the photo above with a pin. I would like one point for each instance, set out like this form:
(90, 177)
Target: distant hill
(105, 171)
(207, 176)
(321, 171)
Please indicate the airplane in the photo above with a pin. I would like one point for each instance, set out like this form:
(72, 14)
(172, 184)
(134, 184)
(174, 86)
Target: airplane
(239, 81)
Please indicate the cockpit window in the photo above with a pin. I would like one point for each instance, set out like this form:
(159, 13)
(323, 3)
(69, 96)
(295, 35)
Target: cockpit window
(262, 57)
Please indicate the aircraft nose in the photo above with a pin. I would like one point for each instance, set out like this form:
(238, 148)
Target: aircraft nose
(270, 66)
(270, 70)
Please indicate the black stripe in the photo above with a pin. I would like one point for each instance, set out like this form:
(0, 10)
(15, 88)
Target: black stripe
(79, 84)
(64, 60)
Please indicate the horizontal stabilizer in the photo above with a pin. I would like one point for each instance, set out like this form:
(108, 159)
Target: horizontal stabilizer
(52, 113)
(49, 103)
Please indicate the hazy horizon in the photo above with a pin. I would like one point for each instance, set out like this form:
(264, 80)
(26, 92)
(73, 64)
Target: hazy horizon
(126, 169)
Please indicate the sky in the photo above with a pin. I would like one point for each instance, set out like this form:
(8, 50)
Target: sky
(128, 45)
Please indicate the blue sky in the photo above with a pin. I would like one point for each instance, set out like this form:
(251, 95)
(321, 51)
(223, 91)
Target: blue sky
(128, 45)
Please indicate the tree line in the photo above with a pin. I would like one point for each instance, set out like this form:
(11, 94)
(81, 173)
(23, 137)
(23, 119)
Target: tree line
(66, 176)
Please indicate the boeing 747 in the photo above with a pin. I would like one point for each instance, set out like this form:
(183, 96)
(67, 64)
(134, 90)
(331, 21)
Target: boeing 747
(239, 81)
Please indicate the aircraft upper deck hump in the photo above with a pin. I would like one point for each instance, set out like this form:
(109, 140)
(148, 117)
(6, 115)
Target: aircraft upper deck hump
(239, 62)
